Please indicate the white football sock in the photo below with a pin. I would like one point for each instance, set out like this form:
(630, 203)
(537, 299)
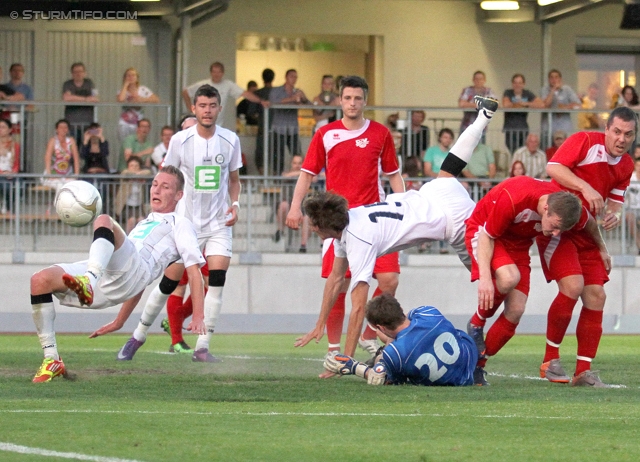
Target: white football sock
(43, 316)
(100, 253)
(469, 139)
(152, 309)
(212, 308)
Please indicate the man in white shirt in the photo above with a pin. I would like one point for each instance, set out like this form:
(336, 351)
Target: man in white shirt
(119, 268)
(229, 93)
(157, 157)
(209, 156)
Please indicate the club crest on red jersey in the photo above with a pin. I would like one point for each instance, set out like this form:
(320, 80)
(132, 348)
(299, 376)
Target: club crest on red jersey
(362, 143)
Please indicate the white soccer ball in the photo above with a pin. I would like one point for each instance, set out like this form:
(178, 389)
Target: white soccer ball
(78, 203)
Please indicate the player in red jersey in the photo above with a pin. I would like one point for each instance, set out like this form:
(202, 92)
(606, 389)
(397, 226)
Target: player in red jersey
(499, 233)
(597, 168)
(353, 152)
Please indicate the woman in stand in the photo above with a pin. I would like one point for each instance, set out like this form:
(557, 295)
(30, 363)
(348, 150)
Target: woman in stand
(9, 163)
(132, 92)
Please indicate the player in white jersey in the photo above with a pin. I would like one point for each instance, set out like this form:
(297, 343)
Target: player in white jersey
(209, 157)
(119, 268)
(436, 212)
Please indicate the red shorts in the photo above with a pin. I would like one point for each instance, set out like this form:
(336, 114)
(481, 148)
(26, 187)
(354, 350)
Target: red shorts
(389, 263)
(203, 269)
(505, 252)
(569, 254)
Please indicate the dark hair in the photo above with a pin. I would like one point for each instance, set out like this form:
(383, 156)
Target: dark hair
(76, 65)
(515, 76)
(268, 75)
(92, 126)
(554, 71)
(185, 118)
(353, 81)
(63, 121)
(327, 211)
(634, 93)
(144, 120)
(567, 206)
(175, 171)
(134, 159)
(513, 166)
(208, 92)
(166, 127)
(14, 65)
(8, 122)
(625, 114)
(289, 71)
(412, 167)
(445, 130)
(481, 73)
(384, 310)
(252, 83)
(216, 64)
(326, 76)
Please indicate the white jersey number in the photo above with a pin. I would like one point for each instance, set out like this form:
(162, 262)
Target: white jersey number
(436, 371)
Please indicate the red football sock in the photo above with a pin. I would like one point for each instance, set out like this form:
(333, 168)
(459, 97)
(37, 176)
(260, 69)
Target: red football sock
(174, 312)
(187, 308)
(498, 298)
(335, 321)
(499, 334)
(369, 333)
(558, 319)
(588, 333)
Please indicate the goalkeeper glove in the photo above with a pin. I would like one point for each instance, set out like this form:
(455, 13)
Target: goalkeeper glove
(345, 365)
(377, 374)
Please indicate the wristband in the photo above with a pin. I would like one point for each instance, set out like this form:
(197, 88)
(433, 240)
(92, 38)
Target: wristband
(235, 203)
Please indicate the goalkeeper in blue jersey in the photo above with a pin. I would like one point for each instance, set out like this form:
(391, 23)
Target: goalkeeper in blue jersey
(425, 349)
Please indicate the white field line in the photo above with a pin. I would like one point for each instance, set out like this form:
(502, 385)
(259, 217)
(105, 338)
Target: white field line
(262, 358)
(302, 414)
(8, 447)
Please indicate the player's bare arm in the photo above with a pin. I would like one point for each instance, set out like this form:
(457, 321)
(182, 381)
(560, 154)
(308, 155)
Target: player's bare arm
(332, 288)
(234, 194)
(359, 296)
(294, 217)
(612, 215)
(485, 283)
(124, 313)
(196, 287)
(568, 179)
(396, 182)
(592, 228)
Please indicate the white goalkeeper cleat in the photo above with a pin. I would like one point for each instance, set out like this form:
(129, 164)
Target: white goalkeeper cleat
(370, 346)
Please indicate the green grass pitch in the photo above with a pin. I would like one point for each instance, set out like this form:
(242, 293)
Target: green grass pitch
(265, 402)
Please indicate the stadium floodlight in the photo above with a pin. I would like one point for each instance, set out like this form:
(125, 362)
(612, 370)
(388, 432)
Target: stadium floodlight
(499, 5)
(547, 2)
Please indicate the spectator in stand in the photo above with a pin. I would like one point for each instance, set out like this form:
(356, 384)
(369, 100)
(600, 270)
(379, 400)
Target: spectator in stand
(16, 84)
(559, 137)
(132, 92)
(284, 123)
(628, 97)
(283, 207)
(590, 120)
(9, 164)
(434, 156)
(137, 144)
(157, 157)
(267, 77)
(94, 150)
(250, 110)
(516, 127)
(79, 89)
(419, 137)
(481, 166)
(131, 199)
(555, 96)
(327, 97)
(533, 158)
(229, 93)
(632, 198)
(61, 158)
(517, 169)
(410, 171)
(467, 102)
(8, 94)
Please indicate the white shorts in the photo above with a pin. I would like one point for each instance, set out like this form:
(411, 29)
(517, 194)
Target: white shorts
(457, 206)
(124, 277)
(217, 243)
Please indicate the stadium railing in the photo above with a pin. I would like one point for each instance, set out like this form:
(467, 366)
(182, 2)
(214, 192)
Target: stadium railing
(31, 223)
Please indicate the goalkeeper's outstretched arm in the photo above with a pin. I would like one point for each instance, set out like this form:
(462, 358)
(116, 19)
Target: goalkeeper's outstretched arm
(346, 365)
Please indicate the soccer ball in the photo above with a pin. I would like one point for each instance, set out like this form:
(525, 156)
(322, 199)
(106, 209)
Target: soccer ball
(78, 203)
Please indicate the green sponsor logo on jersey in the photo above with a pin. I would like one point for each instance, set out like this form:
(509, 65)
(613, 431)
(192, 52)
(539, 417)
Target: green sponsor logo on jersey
(207, 178)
